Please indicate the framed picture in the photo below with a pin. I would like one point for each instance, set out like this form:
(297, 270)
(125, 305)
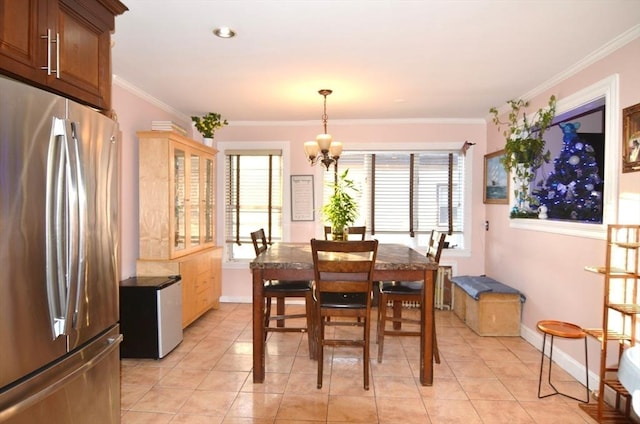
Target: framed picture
(302, 198)
(631, 138)
(496, 179)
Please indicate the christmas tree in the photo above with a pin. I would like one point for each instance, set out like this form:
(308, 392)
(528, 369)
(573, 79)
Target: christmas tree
(573, 191)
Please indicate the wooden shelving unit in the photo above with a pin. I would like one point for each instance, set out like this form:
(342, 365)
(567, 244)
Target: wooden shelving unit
(621, 307)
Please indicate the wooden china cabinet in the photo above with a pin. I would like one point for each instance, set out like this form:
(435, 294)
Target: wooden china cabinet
(177, 218)
(63, 46)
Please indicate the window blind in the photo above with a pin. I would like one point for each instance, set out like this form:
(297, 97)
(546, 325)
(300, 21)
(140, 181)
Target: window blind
(406, 192)
(253, 198)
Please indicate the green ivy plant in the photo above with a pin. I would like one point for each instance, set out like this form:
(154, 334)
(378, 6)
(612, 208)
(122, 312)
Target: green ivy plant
(342, 208)
(209, 123)
(524, 142)
(525, 149)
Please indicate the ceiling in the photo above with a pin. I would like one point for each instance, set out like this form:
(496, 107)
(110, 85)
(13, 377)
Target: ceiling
(383, 59)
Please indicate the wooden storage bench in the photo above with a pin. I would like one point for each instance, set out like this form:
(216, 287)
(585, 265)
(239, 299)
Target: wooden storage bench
(488, 307)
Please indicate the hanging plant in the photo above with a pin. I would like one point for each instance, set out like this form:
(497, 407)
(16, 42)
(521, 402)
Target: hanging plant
(525, 148)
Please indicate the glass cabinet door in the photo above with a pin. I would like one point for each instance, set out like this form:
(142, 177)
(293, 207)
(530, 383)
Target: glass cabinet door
(209, 200)
(194, 201)
(180, 227)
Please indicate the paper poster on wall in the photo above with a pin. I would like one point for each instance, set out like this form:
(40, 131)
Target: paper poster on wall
(302, 198)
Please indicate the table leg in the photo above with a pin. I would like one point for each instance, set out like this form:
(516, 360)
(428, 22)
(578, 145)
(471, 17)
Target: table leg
(258, 327)
(426, 337)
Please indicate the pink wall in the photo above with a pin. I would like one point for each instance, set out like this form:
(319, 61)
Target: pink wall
(237, 282)
(549, 268)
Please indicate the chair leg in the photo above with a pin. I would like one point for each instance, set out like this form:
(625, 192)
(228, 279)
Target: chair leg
(436, 352)
(320, 348)
(311, 326)
(280, 311)
(382, 322)
(397, 313)
(367, 341)
(267, 315)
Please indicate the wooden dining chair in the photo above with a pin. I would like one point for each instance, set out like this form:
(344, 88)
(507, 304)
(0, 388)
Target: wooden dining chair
(405, 291)
(327, 232)
(281, 290)
(357, 231)
(343, 280)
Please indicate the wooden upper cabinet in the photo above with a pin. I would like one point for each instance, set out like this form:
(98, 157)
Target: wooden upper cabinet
(176, 195)
(65, 46)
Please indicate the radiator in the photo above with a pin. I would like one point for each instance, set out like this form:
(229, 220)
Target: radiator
(443, 272)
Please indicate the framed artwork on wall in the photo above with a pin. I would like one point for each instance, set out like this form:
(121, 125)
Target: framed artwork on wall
(302, 198)
(631, 138)
(496, 179)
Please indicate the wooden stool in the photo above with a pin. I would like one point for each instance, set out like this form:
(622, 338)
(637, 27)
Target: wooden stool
(568, 331)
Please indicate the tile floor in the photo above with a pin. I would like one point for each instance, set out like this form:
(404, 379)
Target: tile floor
(208, 379)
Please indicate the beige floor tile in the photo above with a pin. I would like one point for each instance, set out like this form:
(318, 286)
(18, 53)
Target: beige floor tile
(207, 402)
(131, 393)
(485, 389)
(303, 407)
(451, 411)
(396, 387)
(306, 384)
(443, 388)
(255, 405)
(134, 417)
(195, 419)
(273, 383)
(409, 411)
(552, 413)
(470, 369)
(232, 362)
(352, 409)
(164, 400)
(182, 378)
(502, 412)
(224, 381)
(208, 379)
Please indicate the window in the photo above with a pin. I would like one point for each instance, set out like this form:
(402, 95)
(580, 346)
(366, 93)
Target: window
(606, 89)
(253, 199)
(404, 195)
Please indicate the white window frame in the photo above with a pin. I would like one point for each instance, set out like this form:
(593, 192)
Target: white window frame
(436, 146)
(609, 89)
(221, 146)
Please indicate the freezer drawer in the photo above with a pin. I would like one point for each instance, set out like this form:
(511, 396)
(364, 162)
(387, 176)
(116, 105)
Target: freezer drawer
(150, 316)
(84, 387)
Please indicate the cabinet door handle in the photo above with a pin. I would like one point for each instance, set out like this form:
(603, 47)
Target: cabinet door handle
(57, 43)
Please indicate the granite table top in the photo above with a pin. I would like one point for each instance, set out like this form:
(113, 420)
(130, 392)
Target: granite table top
(298, 256)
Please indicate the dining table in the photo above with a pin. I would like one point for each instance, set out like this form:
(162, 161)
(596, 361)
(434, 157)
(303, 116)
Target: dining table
(394, 262)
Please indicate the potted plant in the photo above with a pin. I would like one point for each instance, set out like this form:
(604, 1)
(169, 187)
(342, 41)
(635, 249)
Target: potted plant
(525, 148)
(208, 124)
(342, 208)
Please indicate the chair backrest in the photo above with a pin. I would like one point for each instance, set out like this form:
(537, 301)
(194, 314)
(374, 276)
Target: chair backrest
(435, 250)
(361, 231)
(259, 241)
(344, 266)
(327, 232)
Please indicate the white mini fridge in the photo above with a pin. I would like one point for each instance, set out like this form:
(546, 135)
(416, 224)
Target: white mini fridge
(150, 316)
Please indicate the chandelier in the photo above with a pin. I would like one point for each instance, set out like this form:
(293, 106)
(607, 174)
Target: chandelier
(323, 149)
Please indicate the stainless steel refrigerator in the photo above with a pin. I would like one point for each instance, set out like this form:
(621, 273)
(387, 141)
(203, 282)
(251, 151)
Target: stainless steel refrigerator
(59, 333)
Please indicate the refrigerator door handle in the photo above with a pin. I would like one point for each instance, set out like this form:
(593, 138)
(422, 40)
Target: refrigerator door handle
(80, 236)
(65, 227)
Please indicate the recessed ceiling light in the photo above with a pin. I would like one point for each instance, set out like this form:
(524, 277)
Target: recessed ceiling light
(224, 32)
